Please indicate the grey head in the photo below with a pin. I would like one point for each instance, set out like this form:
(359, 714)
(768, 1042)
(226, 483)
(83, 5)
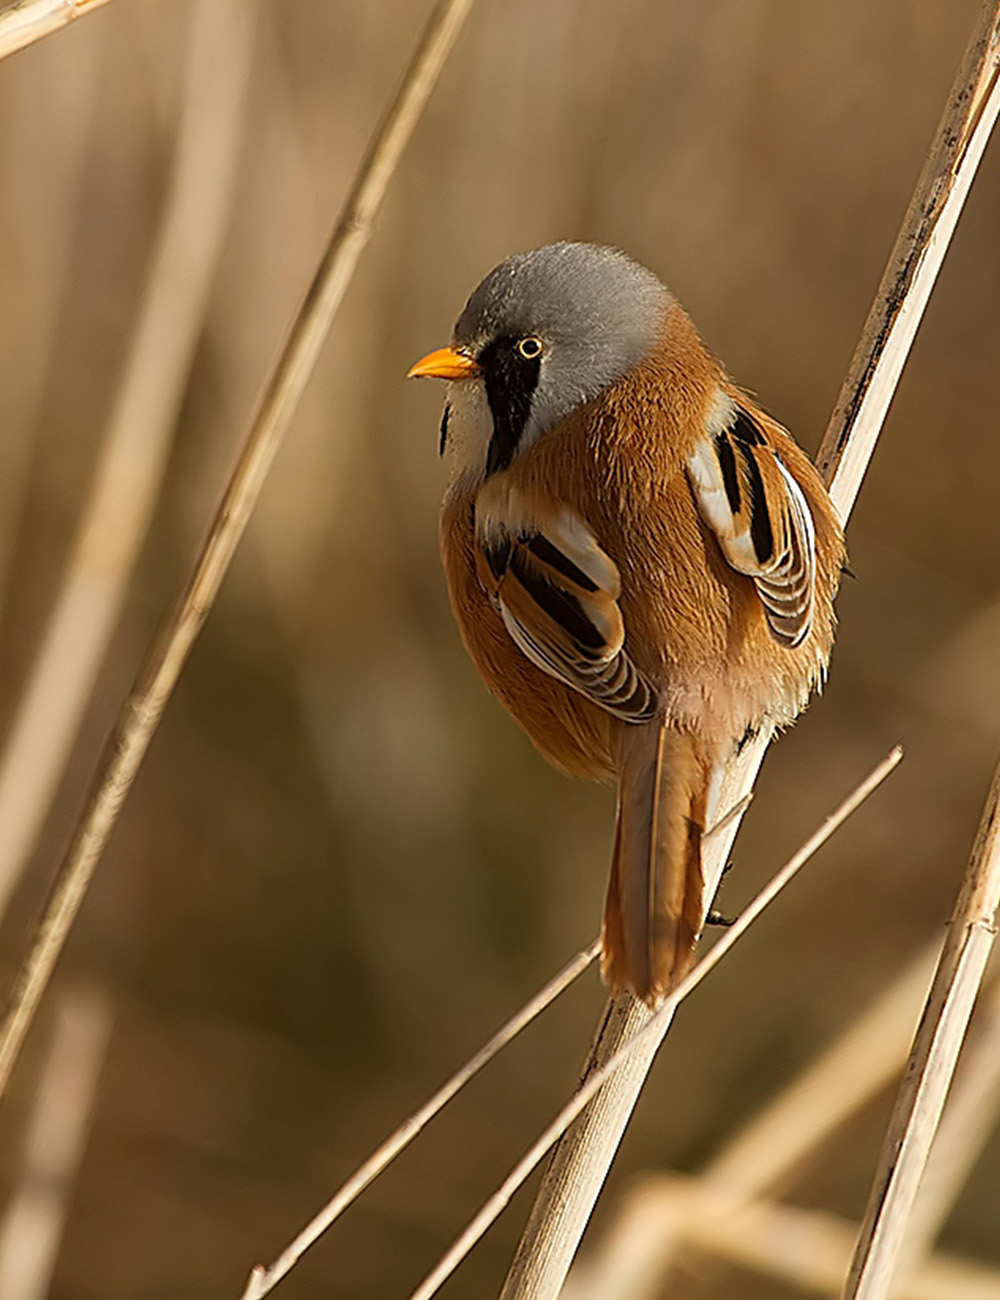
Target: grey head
(551, 329)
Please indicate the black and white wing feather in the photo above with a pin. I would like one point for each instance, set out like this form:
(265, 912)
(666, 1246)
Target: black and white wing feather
(557, 594)
(761, 519)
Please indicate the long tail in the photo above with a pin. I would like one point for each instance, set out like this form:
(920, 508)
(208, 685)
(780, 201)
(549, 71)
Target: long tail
(653, 913)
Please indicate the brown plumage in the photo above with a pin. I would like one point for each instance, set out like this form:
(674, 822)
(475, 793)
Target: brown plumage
(641, 584)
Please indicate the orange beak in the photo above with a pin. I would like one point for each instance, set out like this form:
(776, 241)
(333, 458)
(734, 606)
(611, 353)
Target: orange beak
(445, 363)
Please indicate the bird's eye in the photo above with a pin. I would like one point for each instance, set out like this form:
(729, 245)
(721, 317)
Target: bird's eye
(530, 348)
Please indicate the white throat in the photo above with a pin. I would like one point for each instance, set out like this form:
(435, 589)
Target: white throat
(470, 429)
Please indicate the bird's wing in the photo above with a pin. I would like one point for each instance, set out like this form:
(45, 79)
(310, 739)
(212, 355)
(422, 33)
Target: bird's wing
(557, 593)
(761, 519)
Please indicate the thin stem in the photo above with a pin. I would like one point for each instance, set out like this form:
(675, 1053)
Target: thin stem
(579, 1166)
(134, 455)
(931, 1065)
(262, 1280)
(634, 1259)
(28, 21)
(62, 1112)
(969, 1119)
(651, 1032)
(962, 135)
(141, 713)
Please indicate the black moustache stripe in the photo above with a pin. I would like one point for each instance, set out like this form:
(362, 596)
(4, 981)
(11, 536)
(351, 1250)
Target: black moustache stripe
(510, 383)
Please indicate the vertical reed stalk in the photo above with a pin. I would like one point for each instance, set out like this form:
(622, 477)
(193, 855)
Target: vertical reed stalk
(970, 1117)
(134, 455)
(652, 1031)
(931, 1065)
(579, 1165)
(62, 1110)
(636, 1253)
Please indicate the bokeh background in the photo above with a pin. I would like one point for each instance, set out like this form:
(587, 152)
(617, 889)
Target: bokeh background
(342, 865)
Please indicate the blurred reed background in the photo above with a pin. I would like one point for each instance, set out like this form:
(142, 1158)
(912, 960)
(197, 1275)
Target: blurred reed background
(342, 864)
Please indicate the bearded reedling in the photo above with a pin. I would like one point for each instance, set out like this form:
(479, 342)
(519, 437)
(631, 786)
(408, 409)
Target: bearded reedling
(641, 562)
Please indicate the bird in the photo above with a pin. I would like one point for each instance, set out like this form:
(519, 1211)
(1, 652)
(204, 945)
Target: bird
(641, 562)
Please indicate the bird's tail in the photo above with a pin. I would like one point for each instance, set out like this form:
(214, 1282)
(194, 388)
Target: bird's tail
(654, 909)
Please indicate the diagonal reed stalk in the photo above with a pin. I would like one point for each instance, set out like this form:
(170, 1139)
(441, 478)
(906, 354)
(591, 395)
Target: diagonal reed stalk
(579, 1165)
(134, 455)
(932, 1062)
(634, 1259)
(970, 1118)
(28, 21)
(651, 1032)
(143, 708)
(262, 1279)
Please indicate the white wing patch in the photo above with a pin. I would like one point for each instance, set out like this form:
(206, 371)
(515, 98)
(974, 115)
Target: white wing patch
(557, 593)
(761, 520)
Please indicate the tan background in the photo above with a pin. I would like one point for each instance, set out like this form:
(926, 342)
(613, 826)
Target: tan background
(342, 864)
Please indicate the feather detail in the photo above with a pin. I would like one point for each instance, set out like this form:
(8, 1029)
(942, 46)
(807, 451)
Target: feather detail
(631, 554)
(655, 903)
(557, 591)
(761, 519)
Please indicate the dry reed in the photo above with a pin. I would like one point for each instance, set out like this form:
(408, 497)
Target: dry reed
(929, 1071)
(139, 435)
(870, 1053)
(28, 21)
(48, 199)
(61, 1115)
(655, 1223)
(579, 1166)
(970, 1116)
(651, 1033)
(262, 1280)
(143, 708)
